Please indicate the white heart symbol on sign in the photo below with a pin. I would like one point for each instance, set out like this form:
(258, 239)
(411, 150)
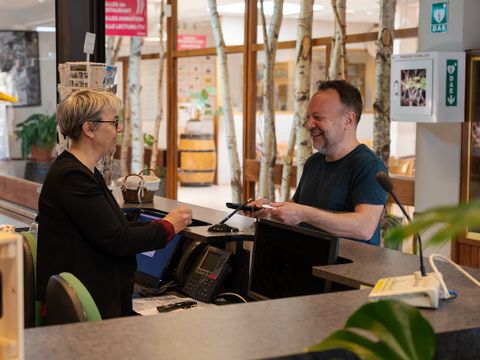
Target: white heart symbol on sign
(451, 69)
(438, 15)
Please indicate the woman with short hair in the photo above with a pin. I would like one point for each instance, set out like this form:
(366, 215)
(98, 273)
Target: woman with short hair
(82, 230)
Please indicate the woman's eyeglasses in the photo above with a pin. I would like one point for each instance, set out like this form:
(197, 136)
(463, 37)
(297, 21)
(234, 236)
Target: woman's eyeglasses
(114, 122)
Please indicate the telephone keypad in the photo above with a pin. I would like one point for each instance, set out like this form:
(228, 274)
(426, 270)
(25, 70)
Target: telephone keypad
(202, 284)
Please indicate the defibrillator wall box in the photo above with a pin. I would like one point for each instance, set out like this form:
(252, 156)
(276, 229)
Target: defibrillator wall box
(428, 87)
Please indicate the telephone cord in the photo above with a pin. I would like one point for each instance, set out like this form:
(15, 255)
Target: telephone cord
(232, 294)
(446, 292)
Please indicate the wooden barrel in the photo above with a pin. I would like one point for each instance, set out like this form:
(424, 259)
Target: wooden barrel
(197, 160)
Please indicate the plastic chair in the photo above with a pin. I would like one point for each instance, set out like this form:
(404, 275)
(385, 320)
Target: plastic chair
(31, 305)
(68, 301)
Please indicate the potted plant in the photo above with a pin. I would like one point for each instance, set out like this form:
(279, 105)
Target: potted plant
(199, 108)
(39, 135)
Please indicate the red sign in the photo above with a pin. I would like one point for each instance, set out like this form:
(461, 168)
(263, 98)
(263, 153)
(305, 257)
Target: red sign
(187, 42)
(126, 18)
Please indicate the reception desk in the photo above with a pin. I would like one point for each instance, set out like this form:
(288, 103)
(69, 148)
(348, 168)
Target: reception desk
(263, 329)
(244, 331)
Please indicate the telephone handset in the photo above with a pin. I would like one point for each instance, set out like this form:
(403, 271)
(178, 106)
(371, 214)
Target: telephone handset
(190, 254)
(203, 280)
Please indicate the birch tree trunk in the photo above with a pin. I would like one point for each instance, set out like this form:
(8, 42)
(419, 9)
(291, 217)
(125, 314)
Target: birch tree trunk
(159, 117)
(134, 91)
(116, 51)
(235, 169)
(109, 48)
(112, 50)
(269, 148)
(338, 63)
(381, 105)
(298, 134)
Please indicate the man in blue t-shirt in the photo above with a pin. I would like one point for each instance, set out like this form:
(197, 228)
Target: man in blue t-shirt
(338, 191)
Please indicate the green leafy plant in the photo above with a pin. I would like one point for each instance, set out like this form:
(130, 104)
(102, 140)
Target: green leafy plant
(148, 139)
(200, 102)
(39, 130)
(454, 219)
(384, 330)
(200, 99)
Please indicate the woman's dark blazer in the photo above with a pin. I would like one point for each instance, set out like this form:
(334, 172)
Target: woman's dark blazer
(82, 230)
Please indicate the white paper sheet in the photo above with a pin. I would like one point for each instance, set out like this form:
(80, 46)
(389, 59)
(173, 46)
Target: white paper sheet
(148, 305)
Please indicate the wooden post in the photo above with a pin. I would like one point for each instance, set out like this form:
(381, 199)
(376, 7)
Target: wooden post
(172, 128)
(249, 91)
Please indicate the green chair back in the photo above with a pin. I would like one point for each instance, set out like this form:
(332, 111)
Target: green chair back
(88, 304)
(68, 301)
(31, 305)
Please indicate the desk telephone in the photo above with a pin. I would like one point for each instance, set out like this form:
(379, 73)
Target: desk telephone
(202, 270)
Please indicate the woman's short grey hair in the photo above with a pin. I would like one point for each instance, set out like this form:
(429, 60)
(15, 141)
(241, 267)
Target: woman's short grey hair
(84, 105)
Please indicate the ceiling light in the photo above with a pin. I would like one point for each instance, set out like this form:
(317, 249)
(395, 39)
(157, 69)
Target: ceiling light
(239, 8)
(45, 28)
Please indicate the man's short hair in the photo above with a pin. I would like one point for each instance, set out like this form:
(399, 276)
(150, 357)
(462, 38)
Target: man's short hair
(84, 105)
(349, 94)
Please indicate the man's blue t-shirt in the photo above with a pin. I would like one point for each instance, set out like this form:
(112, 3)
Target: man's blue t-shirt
(338, 186)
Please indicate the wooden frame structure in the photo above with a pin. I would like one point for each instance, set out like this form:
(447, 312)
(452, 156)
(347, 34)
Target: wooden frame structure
(466, 248)
(249, 51)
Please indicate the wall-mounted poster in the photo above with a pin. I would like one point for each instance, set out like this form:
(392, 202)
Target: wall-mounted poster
(19, 66)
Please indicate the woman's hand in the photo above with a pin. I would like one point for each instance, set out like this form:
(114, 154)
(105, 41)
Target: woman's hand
(180, 218)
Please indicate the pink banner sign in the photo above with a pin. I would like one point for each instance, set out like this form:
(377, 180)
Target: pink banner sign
(188, 42)
(126, 18)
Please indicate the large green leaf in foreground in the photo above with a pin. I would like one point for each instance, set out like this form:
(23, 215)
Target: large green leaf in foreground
(395, 331)
(453, 219)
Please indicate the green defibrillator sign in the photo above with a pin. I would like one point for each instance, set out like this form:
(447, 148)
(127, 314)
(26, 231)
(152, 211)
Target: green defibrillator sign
(439, 19)
(451, 83)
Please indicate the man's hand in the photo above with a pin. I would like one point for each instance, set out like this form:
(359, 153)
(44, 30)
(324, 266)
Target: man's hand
(180, 218)
(288, 212)
(259, 203)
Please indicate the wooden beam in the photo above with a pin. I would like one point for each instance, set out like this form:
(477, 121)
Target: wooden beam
(249, 91)
(291, 44)
(251, 172)
(404, 188)
(20, 191)
(172, 127)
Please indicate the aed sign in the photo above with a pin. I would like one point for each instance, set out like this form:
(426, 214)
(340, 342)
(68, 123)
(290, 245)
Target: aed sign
(451, 83)
(439, 18)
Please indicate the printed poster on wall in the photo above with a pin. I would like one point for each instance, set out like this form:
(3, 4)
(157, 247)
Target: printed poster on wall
(188, 42)
(126, 18)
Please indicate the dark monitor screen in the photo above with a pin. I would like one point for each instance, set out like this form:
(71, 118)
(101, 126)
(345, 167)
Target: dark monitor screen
(283, 257)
